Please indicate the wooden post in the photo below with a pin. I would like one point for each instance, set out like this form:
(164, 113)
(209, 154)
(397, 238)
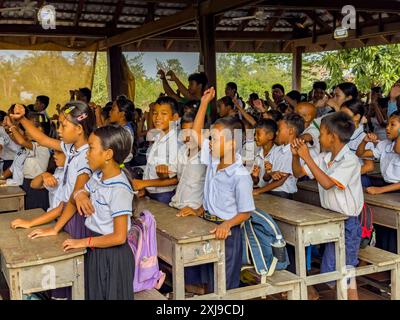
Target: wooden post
(208, 55)
(115, 73)
(296, 68)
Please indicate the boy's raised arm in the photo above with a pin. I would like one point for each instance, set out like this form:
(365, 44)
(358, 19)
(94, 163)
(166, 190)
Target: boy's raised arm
(198, 124)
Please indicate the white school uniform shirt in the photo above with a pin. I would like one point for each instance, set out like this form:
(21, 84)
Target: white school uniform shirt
(281, 159)
(163, 151)
(191, 175)
(75, 165)
(17, 169)
(10, 148)
(111, 198)
(260, 160)
(389, 161)
(356, 139)
(229, 191)
(36, 161)
(313, 131)
(345, 170)
(249, 150)
(56, 194)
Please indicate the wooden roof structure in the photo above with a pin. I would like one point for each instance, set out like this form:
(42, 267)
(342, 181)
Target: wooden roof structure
(172, 25)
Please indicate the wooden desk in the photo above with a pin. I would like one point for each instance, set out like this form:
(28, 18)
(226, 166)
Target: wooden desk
(11, 199)
(185, 242)
(386, 206)
(303, 225)
(29, 265)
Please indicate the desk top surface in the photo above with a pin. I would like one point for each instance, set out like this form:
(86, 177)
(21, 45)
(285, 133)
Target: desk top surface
(295, 212)
(178, 229)
(8, 192)
(385, 200)
(20, 251)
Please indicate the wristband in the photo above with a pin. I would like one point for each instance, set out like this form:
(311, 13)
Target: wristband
(78, 192)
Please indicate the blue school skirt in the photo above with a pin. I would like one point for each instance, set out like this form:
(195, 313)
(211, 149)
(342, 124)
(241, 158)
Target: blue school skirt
(204, 273)
(164, 197)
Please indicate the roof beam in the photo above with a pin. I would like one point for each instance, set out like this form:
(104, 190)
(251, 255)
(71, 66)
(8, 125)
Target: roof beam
(78, 12)
(175, 21)
(243, 25)
(151, 9)
(268, 28)
(117, 13)
(61, 31)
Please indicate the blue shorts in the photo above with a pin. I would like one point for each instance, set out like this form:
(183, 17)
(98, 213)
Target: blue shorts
(352, 245)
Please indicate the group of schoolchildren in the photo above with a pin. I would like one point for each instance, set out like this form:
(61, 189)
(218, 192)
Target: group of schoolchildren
(197, 165)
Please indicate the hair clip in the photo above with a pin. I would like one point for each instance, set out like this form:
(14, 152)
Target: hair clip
(122, 165)
(83, 116)
(69, 109)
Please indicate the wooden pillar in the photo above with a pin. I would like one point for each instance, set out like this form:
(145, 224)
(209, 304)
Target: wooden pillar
(115, 72)
(296, 68)
(208, 55)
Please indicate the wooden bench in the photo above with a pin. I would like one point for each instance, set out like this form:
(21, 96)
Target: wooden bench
(11, 199)
(152, 294)
(379, 261)
(303, 225)
(386, 206)
(35, 265)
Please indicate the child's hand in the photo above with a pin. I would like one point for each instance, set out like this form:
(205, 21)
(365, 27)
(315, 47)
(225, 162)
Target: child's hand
(19, 112)
(259, 105)
(371, 137)
(83, 204)
(20, 223)
(141, 193)
(256, 171)
(39, 233)
(7, 123)
(278, 175)
(208, 95)
(374, 190)
(293, 150)
(70, 244)
(187, 211)
(256, 192)
(163, 171)
(395, 91)
(301, 147)
(267, 166)
(49, 180)
(221, 231)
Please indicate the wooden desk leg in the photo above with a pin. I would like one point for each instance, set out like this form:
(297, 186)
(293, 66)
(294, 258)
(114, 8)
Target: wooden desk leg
(15, 285)
(178, 273)
(219, 272)
(21, 203)
(301, 268)
(398, 232)
(340, 258)
(78, 286)
(294, 294)
(395, 283)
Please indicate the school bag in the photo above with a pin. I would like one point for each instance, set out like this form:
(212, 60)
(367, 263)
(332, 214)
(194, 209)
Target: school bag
(367, 227)
(258, 233)
(143, 242)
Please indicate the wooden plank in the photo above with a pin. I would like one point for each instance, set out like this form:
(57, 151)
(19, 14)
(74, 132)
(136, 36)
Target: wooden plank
(296, 68)
(20, 251)
(178, 229)
(152, 294)
(294, 212)
(8, 192)
(378, 256)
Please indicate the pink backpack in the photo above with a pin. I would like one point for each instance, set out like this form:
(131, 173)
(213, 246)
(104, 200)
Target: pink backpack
(143, 242)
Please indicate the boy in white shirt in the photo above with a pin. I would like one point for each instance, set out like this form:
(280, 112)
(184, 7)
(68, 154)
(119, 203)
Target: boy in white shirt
(338, 173)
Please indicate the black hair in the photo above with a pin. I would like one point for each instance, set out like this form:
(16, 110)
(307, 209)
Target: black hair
(319, 85)
(193, 104)
(341, 124)
(282, 107)
(395, 114)
(31, 107)
(105, 112)
(40, 121)
(126, 106)
(349, 89)
(117, 139)
(199, 78)
(275, 114)
(295, 95)
(232, 124)
(356, 106)
(295, 121)
(169, 101)
(44, 99)
(278, 86)
(3, 114)
(188, 117)
(79, 113)
(87, 93)
(253, 96)
(377, 90)
(232, 85)
(227, 101)
(268, 125)
(139, 111)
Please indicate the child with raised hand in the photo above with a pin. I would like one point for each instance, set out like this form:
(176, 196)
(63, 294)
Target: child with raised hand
(76, 123)
(228, 198)
(311, 132)
(159, 178)
(338, 173)
(282, 181)
(385, 152)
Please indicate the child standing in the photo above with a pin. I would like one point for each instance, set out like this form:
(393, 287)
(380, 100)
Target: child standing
(310, 134)
(338, 173)
(228, 197)
(159, 178)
